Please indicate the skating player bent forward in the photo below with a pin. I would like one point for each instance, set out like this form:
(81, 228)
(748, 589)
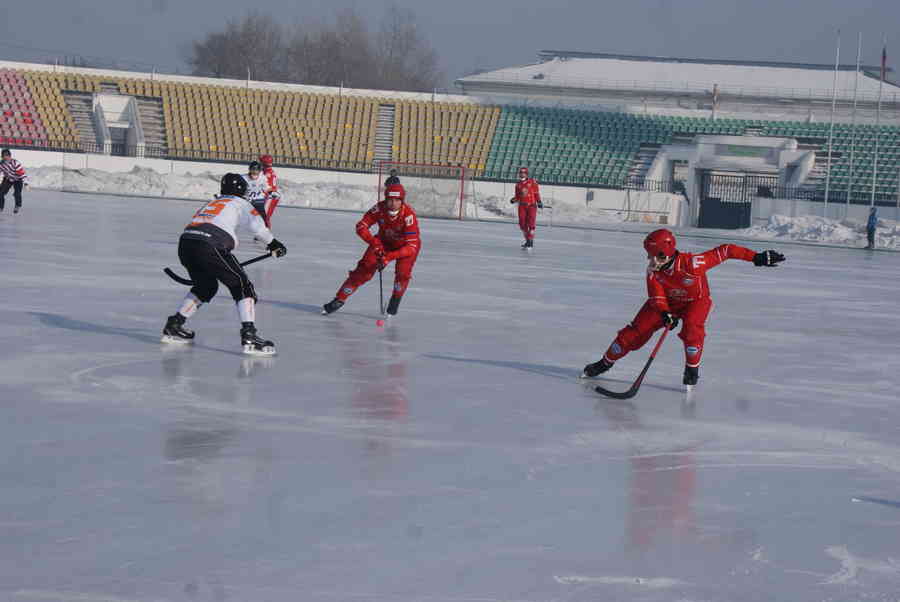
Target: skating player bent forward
(397, 240)
(677, 290)
(205, 250)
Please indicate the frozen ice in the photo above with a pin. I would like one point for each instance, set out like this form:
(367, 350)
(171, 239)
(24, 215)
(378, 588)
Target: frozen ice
(453, 455)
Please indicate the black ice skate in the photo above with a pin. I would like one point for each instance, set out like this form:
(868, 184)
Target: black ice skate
(175, 332)
(393, 305)
(16, 209)
(592, 370)
(332, 306)
(528, 244)
(252, 343)
(691, 375)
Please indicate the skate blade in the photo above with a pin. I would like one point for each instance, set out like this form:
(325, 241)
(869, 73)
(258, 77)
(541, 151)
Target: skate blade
(265, 351)
(169, 339)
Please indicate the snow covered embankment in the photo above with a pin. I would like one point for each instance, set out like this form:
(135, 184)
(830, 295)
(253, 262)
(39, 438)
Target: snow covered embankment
(146, 182)
(812, 228)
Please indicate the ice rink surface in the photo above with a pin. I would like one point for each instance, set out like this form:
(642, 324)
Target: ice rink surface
(452, 456)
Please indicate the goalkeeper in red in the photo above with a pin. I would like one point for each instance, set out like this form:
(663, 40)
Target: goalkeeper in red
(528, 196)
(397, 240)
(677, 290)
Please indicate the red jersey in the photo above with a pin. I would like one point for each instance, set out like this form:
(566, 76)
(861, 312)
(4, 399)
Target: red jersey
(400, 233)
(271, 180)
(685, 280)
(527, 192)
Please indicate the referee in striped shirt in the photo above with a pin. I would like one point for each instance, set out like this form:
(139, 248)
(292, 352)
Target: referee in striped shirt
(13, 177)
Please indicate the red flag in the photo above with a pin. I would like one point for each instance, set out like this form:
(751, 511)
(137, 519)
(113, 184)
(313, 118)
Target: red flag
(883, 61)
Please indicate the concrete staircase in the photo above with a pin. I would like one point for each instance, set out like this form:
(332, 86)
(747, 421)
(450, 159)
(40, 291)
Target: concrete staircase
(153, 123)
(81, 107)
(644, 158)
(384, 133)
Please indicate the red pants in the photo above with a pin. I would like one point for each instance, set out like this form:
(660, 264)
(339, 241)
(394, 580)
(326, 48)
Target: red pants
(649, 319)
(271, 203)
(527, 220)
(367, 267)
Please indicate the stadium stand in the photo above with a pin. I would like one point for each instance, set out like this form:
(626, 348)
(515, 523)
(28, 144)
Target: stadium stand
(338, 131)
(593, 147)
(20, 121)
(444, 133)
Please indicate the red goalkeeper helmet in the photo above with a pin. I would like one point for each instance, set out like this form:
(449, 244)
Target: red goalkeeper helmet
(394, 191)
(660, 242)
(266, 160)
(523, 173)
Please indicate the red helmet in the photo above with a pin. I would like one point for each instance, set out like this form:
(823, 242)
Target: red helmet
(266, 160)
(523, 173)
(394, 191)
(660, 242)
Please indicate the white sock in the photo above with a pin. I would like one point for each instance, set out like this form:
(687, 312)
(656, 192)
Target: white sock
(246, 308)
(190, 305)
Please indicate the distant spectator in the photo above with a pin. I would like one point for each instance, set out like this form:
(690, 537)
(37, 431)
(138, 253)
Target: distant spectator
(870, 227)
(392, 179)
(13, 177)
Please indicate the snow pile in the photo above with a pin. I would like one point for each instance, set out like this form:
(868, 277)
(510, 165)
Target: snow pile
(314, 194)
(815, 228)
(202, 186)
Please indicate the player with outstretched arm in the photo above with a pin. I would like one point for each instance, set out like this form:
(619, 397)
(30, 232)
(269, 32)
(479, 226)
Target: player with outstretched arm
(205, 250)
(678, 290)
(397, 240)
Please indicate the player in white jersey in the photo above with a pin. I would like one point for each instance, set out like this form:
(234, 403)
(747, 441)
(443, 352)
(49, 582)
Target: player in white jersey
(257, 188)
(205, 250)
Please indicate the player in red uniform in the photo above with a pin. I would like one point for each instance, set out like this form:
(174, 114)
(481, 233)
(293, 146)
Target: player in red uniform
(397, 240)
(529, 199)
(271, 189)
(677, 290)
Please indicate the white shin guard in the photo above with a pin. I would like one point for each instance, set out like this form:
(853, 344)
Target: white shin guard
(246, 309)
(190, 305)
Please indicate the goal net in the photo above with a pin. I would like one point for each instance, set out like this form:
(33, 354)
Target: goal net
(432, 190)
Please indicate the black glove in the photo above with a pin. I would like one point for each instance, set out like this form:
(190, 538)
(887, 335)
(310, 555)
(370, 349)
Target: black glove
(276, 248)
(540, 205)
(669, 321)
(768, 258)
(513, 201)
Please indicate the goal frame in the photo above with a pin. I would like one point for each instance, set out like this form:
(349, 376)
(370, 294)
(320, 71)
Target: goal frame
(427, 170)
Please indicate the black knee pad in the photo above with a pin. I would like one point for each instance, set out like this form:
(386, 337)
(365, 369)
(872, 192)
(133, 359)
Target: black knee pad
(243, 290)
(205, 291)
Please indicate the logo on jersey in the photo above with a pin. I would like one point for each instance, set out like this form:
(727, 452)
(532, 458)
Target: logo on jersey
(698, 261)
(692, 350)
(409, 220)
(348, 290)
(678, 292)
(398, 287)
(616, 348)
(687, 281)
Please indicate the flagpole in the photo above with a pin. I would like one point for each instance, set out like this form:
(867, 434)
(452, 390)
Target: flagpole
(878, 116)
(837, 61)
(853, 121)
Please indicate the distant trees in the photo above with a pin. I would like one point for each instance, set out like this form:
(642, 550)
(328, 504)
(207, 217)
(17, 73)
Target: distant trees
(345, 51)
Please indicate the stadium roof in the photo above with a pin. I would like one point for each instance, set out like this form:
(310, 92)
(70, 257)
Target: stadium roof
(598, 71)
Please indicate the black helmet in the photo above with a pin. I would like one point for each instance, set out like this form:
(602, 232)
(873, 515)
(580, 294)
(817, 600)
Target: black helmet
(255, 166)
(233, 184)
